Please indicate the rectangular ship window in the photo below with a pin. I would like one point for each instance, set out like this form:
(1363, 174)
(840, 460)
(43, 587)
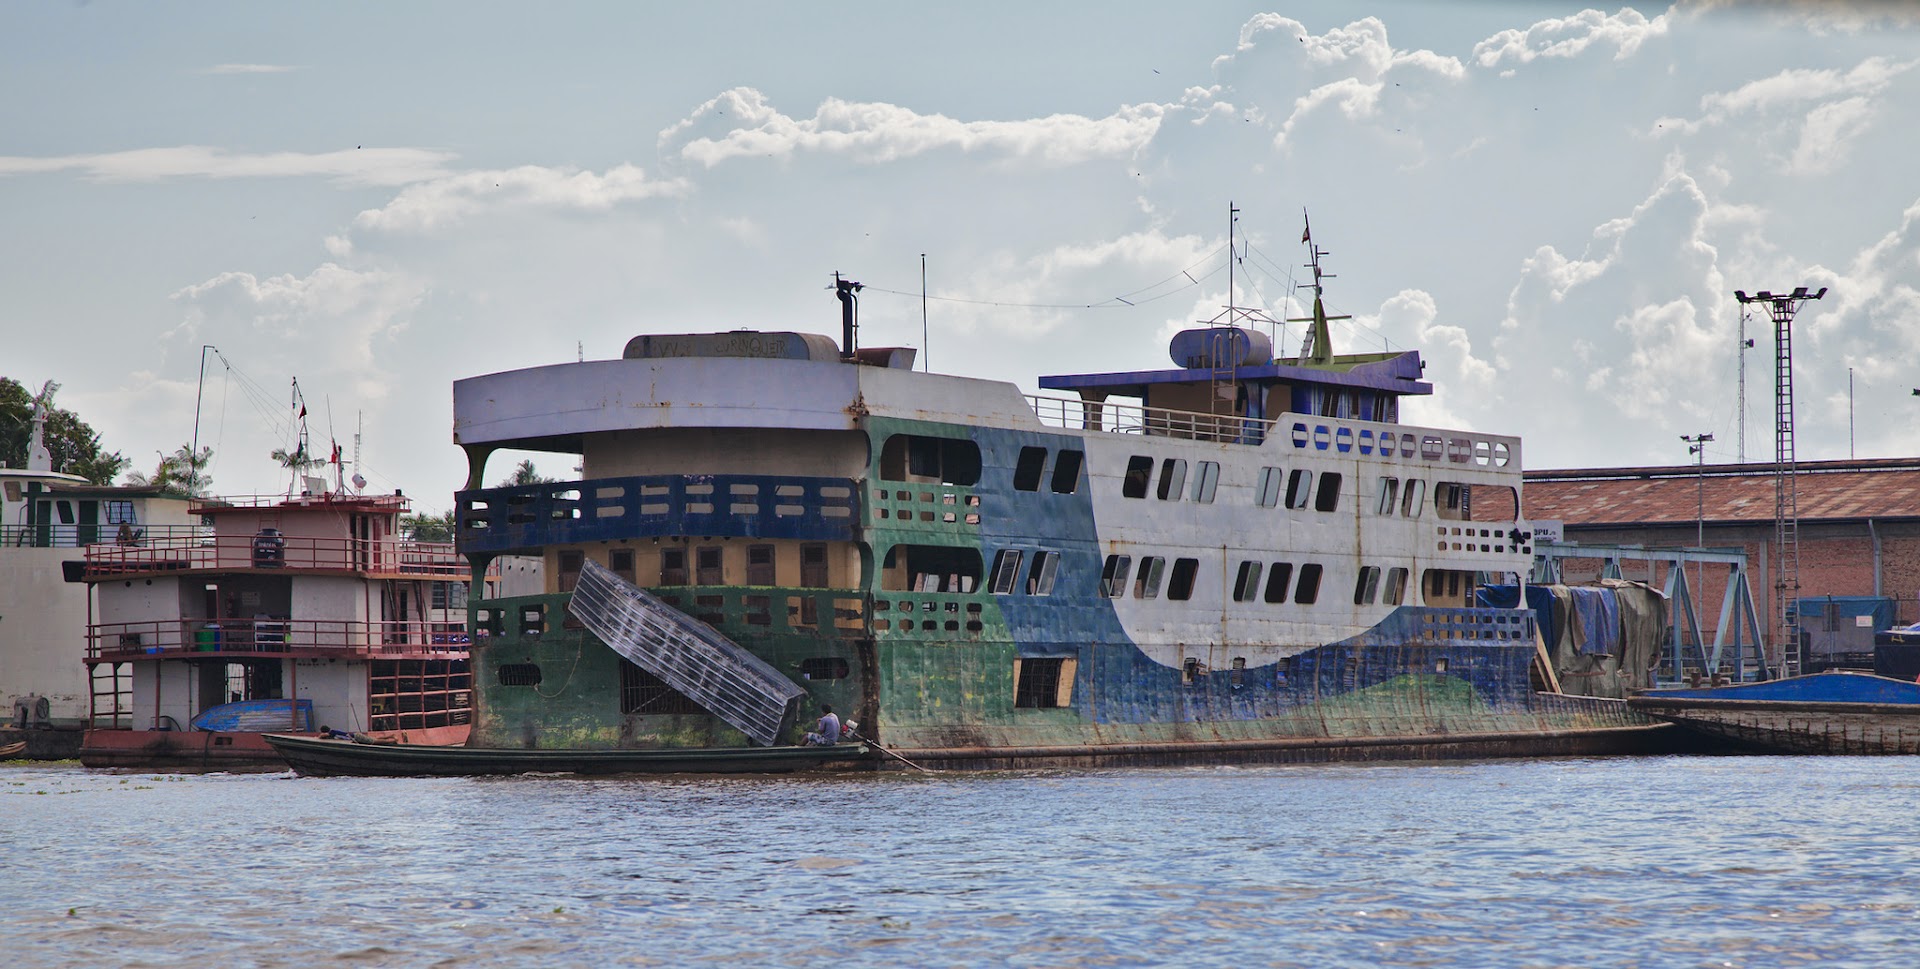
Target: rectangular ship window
(1389, 495)
(1206, 477)
(1308, 591)
(1006, 571)
(1042, 682)
(1410, 502)
(1139, 471)
(1299, 488)
(1278, 578)
(1366, 585)
(1113, 577)
(1267, 494)
(1026, 473)
(1180, 586)
(1246, 585)
(1040, 574)
(1396, 587)
(1066, 472)
(1173, 478)
(1146, 583)
(1329, 497)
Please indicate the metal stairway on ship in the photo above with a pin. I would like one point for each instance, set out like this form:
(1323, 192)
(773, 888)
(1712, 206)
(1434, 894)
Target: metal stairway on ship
(686, 654)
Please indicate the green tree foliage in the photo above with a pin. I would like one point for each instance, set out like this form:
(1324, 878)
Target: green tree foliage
(429, 528)
(523, 474)
(75, 447)
(300, 460)
(179, 473)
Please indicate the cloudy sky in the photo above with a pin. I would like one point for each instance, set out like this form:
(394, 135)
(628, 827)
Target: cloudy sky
(1553, 204)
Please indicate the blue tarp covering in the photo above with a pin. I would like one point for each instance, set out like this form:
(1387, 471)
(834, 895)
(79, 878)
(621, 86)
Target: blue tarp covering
(256, 716)
(1595, 621)
(1593, 614)
(1814, 608)
(1539, 599)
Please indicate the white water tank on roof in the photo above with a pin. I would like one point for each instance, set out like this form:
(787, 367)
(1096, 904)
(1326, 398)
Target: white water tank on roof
(734, 343)
(1220, 346)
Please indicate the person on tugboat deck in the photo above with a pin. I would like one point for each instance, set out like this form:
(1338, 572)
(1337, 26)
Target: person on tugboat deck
(826, 732)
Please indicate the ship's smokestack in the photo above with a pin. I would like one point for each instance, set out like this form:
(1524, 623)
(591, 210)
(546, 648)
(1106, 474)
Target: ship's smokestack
(846, 289)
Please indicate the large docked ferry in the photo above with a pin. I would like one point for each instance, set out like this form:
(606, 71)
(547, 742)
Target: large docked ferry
(1239, 558)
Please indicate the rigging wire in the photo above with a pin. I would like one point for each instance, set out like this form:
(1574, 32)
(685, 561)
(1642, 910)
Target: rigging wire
(1112, 302)
(1351, 322)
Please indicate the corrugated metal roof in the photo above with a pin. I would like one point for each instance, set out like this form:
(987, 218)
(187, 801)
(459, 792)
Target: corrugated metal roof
(1825, 490)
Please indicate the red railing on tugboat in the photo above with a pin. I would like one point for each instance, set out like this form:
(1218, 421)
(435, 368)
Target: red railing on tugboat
(235, 552)
(121, 641)
(346, 502)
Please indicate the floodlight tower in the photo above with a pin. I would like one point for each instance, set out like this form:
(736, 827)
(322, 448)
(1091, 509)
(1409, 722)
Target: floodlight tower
(1786, 511)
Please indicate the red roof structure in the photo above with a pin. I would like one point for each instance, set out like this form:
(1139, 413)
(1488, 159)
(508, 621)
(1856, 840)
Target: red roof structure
(1880, 489)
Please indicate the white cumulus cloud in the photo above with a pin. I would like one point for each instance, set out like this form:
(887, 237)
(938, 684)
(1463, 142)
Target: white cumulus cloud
(371, 166)
(443, 201)
(1567, 37)
(741, 123)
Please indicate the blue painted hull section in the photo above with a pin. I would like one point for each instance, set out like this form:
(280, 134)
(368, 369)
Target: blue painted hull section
(1831, 687)
(1839, 712)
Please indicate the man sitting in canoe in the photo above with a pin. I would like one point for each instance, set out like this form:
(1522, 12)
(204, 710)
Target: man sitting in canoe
(826, 732)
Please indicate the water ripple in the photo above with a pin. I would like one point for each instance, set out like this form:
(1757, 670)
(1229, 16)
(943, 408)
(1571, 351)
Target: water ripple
(1668, 861)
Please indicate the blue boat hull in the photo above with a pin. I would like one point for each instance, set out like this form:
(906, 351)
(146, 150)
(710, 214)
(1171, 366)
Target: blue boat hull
(1837, 712)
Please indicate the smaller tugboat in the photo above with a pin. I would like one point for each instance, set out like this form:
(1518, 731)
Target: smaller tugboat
(1835, 712)
(286, 614)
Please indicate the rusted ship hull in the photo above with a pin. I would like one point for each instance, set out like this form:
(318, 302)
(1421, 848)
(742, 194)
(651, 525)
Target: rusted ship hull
(201, 750)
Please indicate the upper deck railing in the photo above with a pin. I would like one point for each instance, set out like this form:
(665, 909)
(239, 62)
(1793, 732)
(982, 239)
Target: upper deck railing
(80, 536)
(162, 637)
(1385, 442)
(385, 503)
(235, 552)
(1125, 418)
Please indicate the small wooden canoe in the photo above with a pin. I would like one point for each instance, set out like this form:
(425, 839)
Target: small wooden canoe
(13, 749)
(331, 757)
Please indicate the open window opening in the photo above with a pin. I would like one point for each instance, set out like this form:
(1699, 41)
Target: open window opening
(930, 568)
(1043, 682)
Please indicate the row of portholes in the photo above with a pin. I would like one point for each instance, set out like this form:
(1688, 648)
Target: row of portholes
(1427, 447)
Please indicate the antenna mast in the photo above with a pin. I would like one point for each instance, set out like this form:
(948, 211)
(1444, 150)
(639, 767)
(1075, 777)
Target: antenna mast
(1317, 345)
(298, 461)
(193, 458)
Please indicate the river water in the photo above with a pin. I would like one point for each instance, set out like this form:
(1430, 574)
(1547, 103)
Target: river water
(1702, 861)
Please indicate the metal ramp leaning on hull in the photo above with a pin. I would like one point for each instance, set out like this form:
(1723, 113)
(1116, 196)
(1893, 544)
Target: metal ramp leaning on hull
(686, 654)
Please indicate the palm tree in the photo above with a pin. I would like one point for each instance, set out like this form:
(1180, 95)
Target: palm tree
(180, 473)
(300, 460)
(429, 528)
(523, 474)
